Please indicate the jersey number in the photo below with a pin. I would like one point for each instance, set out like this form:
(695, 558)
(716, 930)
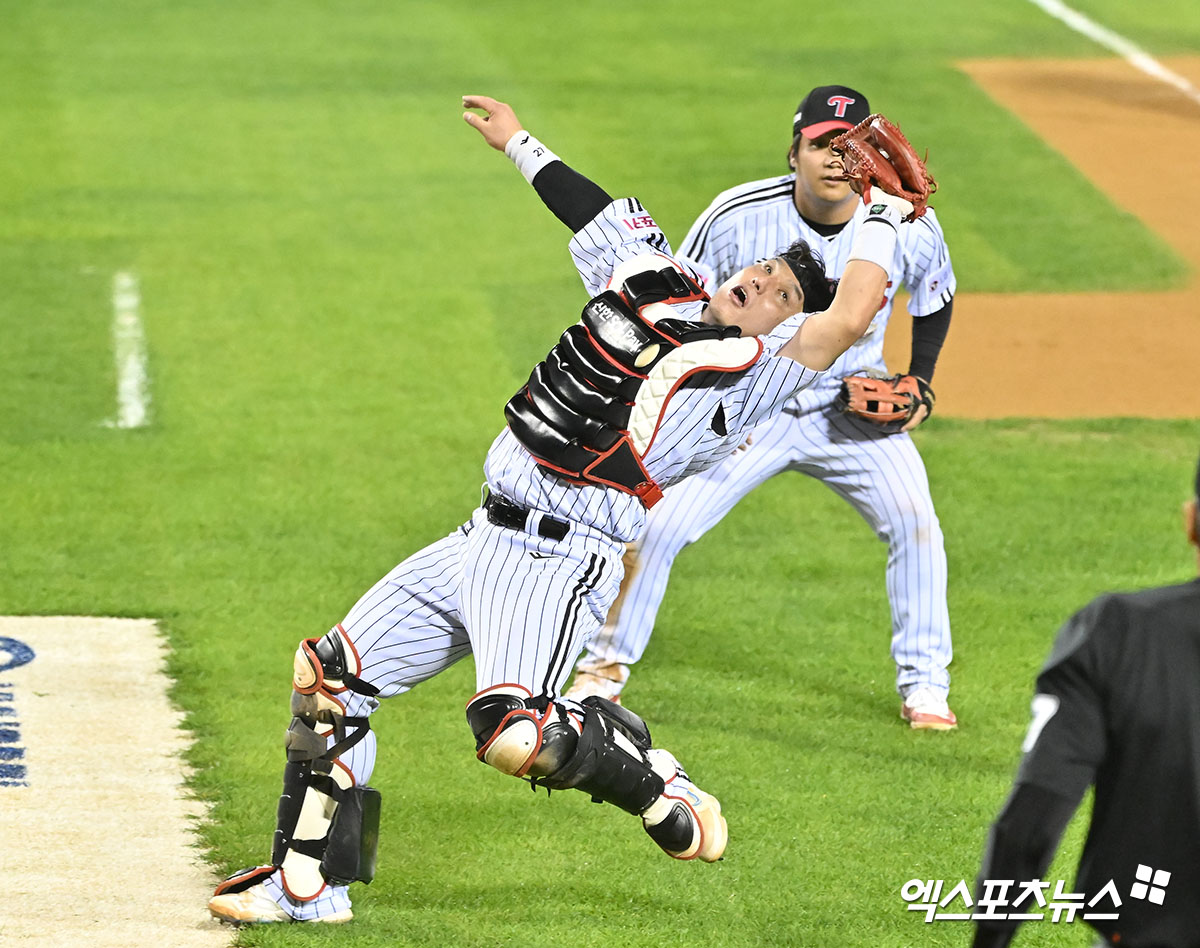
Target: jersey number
(1043, 708)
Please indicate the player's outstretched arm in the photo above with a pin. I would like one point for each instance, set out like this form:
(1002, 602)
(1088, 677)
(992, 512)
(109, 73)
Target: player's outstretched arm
(574, 199)
(824, 336)
(882, 166)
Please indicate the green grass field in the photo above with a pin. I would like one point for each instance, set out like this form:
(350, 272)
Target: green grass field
(341, 285)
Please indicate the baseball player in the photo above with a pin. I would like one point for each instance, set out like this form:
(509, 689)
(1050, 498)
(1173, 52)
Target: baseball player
(881, 475)
(657, 381)
(1117, 706)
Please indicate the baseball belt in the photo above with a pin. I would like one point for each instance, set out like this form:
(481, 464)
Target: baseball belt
(504, 513)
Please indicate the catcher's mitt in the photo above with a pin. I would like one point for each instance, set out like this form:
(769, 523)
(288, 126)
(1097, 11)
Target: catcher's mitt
(875, 153)
(889, 403)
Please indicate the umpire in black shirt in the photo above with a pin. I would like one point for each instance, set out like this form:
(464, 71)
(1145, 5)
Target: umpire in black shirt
(1117, 706)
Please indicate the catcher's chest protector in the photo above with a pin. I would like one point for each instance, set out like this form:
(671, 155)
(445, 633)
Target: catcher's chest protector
(591, 409)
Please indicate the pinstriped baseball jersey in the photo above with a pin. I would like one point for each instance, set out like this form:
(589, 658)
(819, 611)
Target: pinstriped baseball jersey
(688, 440)
(759, 218)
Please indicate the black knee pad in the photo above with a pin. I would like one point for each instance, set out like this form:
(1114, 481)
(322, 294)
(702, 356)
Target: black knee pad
(329, 664)
(489, 710)
(519, 734)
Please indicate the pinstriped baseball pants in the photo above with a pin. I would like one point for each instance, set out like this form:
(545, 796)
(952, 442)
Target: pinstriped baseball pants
(881, 476)
(523, 605)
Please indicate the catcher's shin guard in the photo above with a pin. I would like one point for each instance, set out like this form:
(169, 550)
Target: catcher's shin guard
(604, 754)
(243, 879)
(615, 762)
(611, 760)
(327, 828)
(607, 754)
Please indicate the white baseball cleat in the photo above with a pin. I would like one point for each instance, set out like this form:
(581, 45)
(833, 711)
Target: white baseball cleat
(601, 679)
(685, 821)
(926, 709)
(254, 906)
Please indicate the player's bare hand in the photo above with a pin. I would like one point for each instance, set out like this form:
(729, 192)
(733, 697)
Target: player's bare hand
(497, 125)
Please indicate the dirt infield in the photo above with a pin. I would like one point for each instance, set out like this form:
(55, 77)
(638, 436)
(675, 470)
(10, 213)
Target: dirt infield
(1047, 355)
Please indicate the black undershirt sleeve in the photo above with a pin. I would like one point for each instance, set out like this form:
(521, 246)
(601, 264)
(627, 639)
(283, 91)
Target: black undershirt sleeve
(574, 199)
(928, 336)
(1020, 846)
(1067, 748)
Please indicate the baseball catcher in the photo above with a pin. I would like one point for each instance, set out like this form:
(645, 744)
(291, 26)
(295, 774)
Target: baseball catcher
(524, 583)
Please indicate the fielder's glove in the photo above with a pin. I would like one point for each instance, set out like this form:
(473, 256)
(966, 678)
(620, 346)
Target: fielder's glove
(875, 154)
(891, 403)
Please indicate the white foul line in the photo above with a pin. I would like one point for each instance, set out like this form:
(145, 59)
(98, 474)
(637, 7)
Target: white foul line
(129, 347)
(1134, 55)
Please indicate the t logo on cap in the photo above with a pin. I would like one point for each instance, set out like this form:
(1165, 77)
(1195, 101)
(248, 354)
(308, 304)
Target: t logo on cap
(829, 108)
(840, 103)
